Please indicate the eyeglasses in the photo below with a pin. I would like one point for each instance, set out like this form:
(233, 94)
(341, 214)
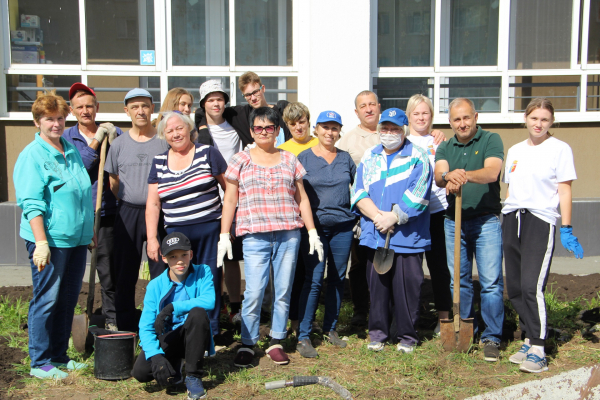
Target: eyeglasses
(259, 129)
(393, 131)
(248, 95)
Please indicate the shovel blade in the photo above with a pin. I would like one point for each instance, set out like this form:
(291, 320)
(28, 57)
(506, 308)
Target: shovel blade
(453, 340)
(383, 260)
(447, 334)
(465, 335)
(79, 330)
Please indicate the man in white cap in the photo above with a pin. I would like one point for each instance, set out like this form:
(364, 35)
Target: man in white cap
(128, 164)
(87, 135)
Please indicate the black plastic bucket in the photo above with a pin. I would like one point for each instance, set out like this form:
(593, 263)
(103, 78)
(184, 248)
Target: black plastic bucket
(114, 355)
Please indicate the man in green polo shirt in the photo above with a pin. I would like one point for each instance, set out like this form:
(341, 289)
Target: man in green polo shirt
(472, 159)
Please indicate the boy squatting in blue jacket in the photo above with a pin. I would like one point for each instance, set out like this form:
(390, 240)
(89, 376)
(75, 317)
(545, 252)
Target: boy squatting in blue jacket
(174, 322)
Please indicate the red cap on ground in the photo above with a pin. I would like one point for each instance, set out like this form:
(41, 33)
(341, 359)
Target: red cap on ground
(79, 86)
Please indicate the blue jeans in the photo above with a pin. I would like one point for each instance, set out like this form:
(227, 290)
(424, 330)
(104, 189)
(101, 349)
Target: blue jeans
(55, 293)
(279, 248)
(336, 247)
(481, 236)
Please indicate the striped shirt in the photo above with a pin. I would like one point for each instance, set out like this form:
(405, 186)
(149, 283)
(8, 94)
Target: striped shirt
(266, 200)
(189, 196)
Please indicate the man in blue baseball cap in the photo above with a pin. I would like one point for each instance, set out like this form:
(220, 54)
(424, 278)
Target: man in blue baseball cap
(391, 192)
(128, 165)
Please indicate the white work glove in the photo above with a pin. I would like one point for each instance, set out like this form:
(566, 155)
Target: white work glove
(224, 247)
(385, 221)
(315, 244)
(41, 255)
(357, 230)
(100, 134)
(111, 131)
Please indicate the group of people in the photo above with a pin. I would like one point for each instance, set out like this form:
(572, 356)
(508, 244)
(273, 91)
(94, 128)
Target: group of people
(250, 183)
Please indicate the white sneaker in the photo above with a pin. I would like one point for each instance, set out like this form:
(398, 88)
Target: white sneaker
(436, 331)
(375, 346)
(405, 348)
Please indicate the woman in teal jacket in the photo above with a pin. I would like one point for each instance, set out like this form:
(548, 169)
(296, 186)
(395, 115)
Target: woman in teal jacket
(53, 189)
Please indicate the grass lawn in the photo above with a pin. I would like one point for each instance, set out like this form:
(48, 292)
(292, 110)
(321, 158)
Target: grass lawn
(428, 373)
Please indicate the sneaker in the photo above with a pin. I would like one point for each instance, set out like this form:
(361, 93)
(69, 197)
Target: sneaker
(236, 318)
(359, 320)
(71, 365)
(534, 363)
(48, 372)
(277, 355)
(334, 339)
(521, 355)
(195, 390)
(405, 348)
(306, 349)
(244, 357)
(375, 346)
(491, 351)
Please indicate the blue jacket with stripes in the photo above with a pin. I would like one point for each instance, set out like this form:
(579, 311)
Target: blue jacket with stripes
(407, 182)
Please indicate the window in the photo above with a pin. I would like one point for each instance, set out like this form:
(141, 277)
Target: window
(22, 90)
(483, 91)
(540, 34)
(111, 90)
(563, 91)
(263, 32)
(276, 88)
(42, 32)
(472, 32)
(593, 93)
(594, 33)
(404, 34)
(118, 29)
(395, 92)
(200, 32)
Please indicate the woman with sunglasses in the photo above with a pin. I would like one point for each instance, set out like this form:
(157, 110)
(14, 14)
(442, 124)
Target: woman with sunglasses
(273, 206)
(183, 183)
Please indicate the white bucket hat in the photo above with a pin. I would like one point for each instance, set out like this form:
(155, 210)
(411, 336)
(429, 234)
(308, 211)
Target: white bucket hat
(209, 87)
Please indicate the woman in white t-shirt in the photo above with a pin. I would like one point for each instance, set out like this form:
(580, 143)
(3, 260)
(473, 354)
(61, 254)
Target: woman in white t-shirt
(420, 117)
(539, 172)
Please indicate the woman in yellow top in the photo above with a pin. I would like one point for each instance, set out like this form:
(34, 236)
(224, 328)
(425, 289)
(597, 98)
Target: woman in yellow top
(297, 118)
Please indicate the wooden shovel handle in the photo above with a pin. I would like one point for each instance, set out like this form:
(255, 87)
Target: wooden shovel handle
(457, 237)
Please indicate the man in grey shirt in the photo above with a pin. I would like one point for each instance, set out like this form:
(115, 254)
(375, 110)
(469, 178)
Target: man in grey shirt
(128, 164)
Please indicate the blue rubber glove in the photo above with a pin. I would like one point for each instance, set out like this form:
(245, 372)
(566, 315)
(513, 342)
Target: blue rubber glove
(570, 242)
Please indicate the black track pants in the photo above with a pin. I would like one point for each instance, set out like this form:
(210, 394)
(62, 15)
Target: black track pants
(528, 248)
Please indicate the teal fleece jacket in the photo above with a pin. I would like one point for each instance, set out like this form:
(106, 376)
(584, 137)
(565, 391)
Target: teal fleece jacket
(57, 188)
(200, 289)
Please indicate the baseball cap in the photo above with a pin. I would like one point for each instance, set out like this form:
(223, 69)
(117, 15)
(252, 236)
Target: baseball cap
(395, 116)
(175, 241)
(137, 92)
(329, 116)
(79, 86)
(211, 86)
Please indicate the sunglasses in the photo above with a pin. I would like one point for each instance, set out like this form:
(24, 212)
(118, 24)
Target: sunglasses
(259, 129)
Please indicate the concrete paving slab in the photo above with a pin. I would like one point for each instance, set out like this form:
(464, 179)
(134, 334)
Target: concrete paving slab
(21, 275)
(582, 383)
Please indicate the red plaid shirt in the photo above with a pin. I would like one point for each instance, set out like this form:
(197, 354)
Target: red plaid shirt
(266, 200)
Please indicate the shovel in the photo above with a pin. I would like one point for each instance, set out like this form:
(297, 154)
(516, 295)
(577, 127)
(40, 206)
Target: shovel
(384, 257)
(457, 333)
(81, 322)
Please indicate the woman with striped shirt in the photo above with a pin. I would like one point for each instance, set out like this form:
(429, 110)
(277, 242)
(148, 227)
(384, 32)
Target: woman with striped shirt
(183, 183)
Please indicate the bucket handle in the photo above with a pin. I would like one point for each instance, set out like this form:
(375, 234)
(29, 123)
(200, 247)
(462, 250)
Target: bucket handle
(118, 334)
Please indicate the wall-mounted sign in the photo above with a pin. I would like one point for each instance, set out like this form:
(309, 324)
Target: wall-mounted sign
(147, 57)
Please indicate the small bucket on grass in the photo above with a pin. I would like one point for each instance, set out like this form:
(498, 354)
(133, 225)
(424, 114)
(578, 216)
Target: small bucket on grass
(114, 355)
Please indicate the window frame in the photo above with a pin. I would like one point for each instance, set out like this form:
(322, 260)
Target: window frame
(162, 69)
(438, 73)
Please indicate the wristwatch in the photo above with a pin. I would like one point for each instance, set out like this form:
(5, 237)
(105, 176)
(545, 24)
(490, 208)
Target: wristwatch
(444, 176)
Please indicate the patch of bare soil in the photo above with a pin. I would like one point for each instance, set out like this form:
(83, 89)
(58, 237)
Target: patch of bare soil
(8, 377)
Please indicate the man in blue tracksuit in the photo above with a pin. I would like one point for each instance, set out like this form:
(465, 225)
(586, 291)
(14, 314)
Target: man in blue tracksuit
(391, 191)
(87, 136)
(174, 323)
